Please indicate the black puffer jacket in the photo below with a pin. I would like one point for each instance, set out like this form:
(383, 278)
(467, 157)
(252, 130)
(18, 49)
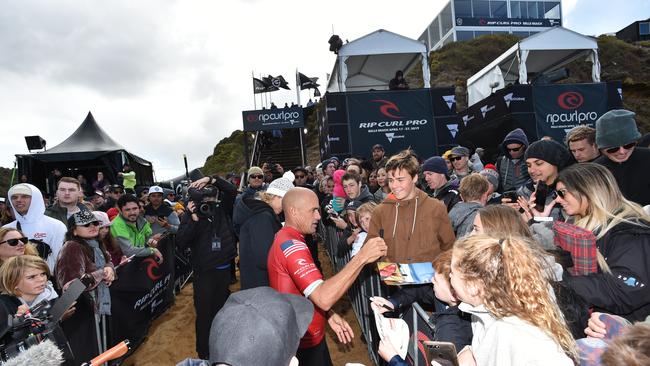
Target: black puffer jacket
(256, 224)
(626, 291)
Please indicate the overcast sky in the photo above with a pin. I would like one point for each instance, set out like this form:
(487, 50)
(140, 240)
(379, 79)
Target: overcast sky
(165, 77)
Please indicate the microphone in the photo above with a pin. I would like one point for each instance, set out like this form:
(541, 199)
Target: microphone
(45, 353)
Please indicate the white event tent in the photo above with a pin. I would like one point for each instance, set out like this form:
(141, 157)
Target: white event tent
(371, 61)
(542, 52)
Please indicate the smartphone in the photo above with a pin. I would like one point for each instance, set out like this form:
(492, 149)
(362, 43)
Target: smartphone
(512, 195)
(443, 353)
(541, 191)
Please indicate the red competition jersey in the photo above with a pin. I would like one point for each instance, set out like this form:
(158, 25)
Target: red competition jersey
(292, 271)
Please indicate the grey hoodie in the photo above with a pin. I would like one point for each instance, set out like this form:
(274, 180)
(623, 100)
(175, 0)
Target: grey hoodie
(35, 225)
(462, 217)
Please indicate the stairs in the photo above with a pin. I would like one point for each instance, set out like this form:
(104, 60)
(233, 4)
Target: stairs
(281, 149)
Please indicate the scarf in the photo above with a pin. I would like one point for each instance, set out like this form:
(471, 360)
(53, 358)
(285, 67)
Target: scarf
(103, 294)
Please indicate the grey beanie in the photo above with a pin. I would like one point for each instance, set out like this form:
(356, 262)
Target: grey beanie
(616, 128)
(492, 177)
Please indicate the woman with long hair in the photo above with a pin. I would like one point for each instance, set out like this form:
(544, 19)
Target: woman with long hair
(589, 194)
(83, 256)
(107, 240)
(515, 320)
(383, 189)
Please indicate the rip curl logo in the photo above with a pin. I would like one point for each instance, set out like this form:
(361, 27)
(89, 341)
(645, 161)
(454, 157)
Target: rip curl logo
(570, 100)
(152, 269)
(302, 262)
(388, 108)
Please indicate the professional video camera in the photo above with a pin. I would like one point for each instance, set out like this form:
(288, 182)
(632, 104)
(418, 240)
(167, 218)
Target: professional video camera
(205, 208)
(41, 323)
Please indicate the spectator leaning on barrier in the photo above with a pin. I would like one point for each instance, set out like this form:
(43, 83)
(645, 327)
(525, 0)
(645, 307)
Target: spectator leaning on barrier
(616, 137)
(68, 194)
(416, 227)
(437, 177)
(511, 166)
(581, 141)
(29, 210)
(292, 270)
(132, 232)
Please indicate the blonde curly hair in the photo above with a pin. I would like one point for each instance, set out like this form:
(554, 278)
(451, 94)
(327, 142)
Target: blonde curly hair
(511, 278)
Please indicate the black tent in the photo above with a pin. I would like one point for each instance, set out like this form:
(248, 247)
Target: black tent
(87, 151)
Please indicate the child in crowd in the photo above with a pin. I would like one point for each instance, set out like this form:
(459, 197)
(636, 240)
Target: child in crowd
(451, 325)
(339, 196)
(515, 319)
(363, 215)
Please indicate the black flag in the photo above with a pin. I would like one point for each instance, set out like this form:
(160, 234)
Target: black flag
(316, 92)
(279, 82)
(259, 86)
(268, 81)
(307, 82)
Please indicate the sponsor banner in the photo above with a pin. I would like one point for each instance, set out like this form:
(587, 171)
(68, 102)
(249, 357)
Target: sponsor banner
(143, 290)
(559, 108)
(443, 101)
(273, 119)
(517, 98)
(337, 140)
(507, 22)
(447, 131)
(614, 95)
(395, 120)
(335, 107)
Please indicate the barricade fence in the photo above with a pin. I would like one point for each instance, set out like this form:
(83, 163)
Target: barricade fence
(369, 284)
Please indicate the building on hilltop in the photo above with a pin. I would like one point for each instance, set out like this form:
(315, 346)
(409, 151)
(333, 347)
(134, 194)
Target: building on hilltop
(462, 20)
(637, 31)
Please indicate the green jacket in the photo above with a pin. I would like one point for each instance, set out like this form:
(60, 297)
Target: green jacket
(138, 238)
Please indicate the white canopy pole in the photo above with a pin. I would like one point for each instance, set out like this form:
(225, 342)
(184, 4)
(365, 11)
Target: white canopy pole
(426, 74)
(343, 73)
(523, 73)
(595, 66)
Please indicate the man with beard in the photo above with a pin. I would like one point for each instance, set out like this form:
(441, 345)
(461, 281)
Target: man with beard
(162, 218)
(132, 232)
(292, 270)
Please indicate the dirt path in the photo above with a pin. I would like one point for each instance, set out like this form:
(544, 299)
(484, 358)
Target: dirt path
(171, 337)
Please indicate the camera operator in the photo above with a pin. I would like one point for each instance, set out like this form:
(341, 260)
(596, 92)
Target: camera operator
(207, 230)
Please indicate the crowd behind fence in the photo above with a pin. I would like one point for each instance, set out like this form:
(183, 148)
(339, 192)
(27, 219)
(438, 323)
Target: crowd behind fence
(369, 284)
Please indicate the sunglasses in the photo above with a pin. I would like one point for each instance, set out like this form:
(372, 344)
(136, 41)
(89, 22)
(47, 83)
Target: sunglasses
(612, 150)
(14, 242)
(94, 223)
(257, 176)
(514, 149)
(561, 193)
(455, 158)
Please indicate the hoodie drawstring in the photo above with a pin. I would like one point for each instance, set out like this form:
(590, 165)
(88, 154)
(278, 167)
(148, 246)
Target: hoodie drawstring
(415, 217)
(395, 223)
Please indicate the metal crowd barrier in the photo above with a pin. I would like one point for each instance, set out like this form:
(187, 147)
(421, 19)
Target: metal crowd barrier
(369, 284)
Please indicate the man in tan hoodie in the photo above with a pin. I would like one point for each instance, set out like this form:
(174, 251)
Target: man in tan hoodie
(414, 226)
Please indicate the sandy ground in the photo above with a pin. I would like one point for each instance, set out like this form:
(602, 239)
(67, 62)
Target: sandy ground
(171, 337)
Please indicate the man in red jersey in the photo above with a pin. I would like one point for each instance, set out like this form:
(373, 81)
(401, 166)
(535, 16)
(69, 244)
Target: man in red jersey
(292, 270)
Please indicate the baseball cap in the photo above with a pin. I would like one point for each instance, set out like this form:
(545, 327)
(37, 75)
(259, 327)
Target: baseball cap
(459, 151)
(270, 321)
(378, 146)
(20, 188)
(81, 218)
(102, 217)
(155, 189)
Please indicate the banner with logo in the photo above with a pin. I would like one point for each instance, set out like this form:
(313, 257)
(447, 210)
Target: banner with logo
(559, 108)
(143, 290)
(507, 22)
(273, 119)
(397, 120)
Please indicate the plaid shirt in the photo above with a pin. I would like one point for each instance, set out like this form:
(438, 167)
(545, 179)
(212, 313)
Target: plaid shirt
(581, 243)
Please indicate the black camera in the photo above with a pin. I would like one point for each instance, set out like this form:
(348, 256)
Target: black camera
(205, 208)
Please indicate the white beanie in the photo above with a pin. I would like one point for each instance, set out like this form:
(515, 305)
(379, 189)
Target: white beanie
(281, 185)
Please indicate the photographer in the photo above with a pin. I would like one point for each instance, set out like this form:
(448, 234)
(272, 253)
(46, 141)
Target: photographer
(207, 230)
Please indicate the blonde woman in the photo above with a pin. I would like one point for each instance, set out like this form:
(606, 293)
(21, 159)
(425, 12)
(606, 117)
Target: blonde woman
(589, 194)
(13, 243)
(515, 320)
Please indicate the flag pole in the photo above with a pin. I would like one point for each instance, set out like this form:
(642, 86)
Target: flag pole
(302, 132)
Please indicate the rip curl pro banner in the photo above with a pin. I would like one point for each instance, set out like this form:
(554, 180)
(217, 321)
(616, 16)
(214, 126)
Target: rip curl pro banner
(559, 108)
(395, 119)
(273, 119)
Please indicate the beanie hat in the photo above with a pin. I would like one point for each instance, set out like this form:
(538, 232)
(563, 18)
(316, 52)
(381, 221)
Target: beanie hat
(282, 185)
(262, 317)
(550, 151)
(616, 128)
(490, 166)
(435, 164)
(112, 212)
(255, 170)
(492, 177)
